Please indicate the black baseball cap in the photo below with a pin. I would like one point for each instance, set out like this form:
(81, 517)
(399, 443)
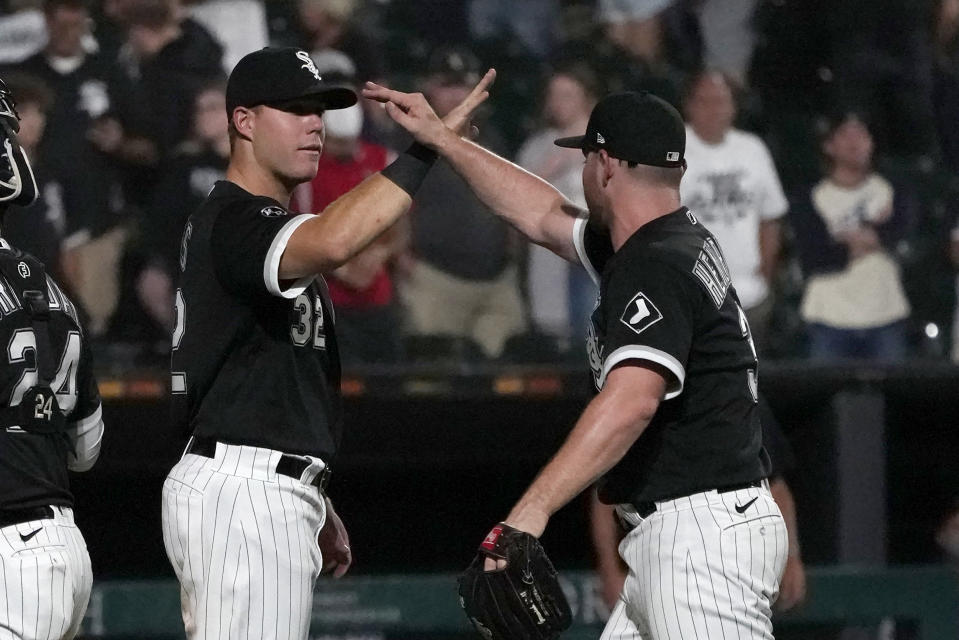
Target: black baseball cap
(275, 75)
(636, 127)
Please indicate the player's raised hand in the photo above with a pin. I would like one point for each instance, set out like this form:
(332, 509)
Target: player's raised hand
(412, 112)
(458, 119)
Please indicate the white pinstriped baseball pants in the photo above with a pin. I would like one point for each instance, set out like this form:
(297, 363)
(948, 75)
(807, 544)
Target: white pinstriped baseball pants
(45, 581)
(699, 569)
(243, 543)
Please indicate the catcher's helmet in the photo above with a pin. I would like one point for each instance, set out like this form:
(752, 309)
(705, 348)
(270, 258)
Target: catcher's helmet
(17, 184)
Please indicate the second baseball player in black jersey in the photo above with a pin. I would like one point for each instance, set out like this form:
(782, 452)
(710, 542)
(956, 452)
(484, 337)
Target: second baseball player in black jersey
(673, 430)
(665, 297)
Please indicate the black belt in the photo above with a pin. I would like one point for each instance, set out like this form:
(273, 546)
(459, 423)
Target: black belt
(9, 517)
(291, 466)
(645, 509)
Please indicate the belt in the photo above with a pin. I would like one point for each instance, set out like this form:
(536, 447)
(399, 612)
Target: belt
(645, 509)
(9, 517)
(291, 466)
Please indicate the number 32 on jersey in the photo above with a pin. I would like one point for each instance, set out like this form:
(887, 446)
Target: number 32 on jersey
(307, 327)
(309, 321)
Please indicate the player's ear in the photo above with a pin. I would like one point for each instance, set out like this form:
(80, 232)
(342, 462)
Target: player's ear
(243, 121)
(607, 165)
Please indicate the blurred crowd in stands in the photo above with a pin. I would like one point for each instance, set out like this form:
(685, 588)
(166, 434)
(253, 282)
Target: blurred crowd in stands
(823, 151)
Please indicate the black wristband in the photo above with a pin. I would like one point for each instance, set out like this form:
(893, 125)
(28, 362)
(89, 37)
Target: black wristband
(409, 170)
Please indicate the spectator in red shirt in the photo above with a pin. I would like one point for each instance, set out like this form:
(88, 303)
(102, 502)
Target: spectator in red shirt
(362, 289)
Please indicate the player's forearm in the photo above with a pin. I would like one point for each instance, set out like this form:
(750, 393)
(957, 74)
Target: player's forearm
(536, 208)
(344, 228)
(608, 427)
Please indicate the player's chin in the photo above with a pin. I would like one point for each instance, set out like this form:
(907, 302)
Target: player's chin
(306, 166)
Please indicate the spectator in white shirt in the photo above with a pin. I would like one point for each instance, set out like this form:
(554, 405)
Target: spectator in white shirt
(732, 186)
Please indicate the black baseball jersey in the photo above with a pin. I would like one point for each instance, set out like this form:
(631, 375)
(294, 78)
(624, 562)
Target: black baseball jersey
(254, 360)
(665, 297)
(34, 464)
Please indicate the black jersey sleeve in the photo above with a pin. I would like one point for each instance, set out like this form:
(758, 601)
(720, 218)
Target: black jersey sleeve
(650, 307)
(593, 246)
(247, 242)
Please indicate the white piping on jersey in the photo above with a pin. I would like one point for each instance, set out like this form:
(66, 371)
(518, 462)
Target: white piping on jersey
(86, 435)
(579, 243)
(639, 352)
(271, 265)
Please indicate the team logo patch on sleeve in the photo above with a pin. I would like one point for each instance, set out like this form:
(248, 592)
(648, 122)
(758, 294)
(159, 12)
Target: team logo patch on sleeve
(640, 313)
(272, 212)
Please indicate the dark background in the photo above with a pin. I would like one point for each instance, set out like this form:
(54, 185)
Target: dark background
(421, 478)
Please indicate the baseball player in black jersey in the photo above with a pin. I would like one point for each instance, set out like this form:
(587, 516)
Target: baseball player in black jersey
(50, 422)
(673, 430)
(255, 367)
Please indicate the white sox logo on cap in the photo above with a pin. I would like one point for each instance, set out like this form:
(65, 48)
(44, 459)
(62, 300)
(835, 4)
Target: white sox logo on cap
(308, 64)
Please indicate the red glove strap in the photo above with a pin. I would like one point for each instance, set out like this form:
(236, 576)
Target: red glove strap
(493, 544)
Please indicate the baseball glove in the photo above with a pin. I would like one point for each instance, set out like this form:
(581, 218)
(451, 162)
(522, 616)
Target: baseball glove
(522, 601)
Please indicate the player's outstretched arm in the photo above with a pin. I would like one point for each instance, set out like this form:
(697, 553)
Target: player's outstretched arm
(354, 220)
(609, 426)
(532, 205)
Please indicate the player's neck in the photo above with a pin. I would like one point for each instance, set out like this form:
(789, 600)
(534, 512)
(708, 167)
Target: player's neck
(258, 183)
(629, 214)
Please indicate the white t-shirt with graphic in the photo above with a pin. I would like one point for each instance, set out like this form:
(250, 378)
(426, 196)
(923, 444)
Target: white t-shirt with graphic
(731, 187)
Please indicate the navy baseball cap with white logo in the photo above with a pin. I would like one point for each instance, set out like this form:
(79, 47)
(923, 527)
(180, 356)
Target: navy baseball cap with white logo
(281, 76)
(636, 127)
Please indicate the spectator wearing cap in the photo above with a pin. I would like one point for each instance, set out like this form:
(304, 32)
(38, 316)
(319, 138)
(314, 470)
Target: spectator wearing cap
(847, 226)
(560, 297)
(461, 275)
(733, 188)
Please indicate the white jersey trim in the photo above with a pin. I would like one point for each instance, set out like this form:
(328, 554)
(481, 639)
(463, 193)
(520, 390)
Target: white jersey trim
(638, 352)
(579, 243)
(86, 435)
(271, 265)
